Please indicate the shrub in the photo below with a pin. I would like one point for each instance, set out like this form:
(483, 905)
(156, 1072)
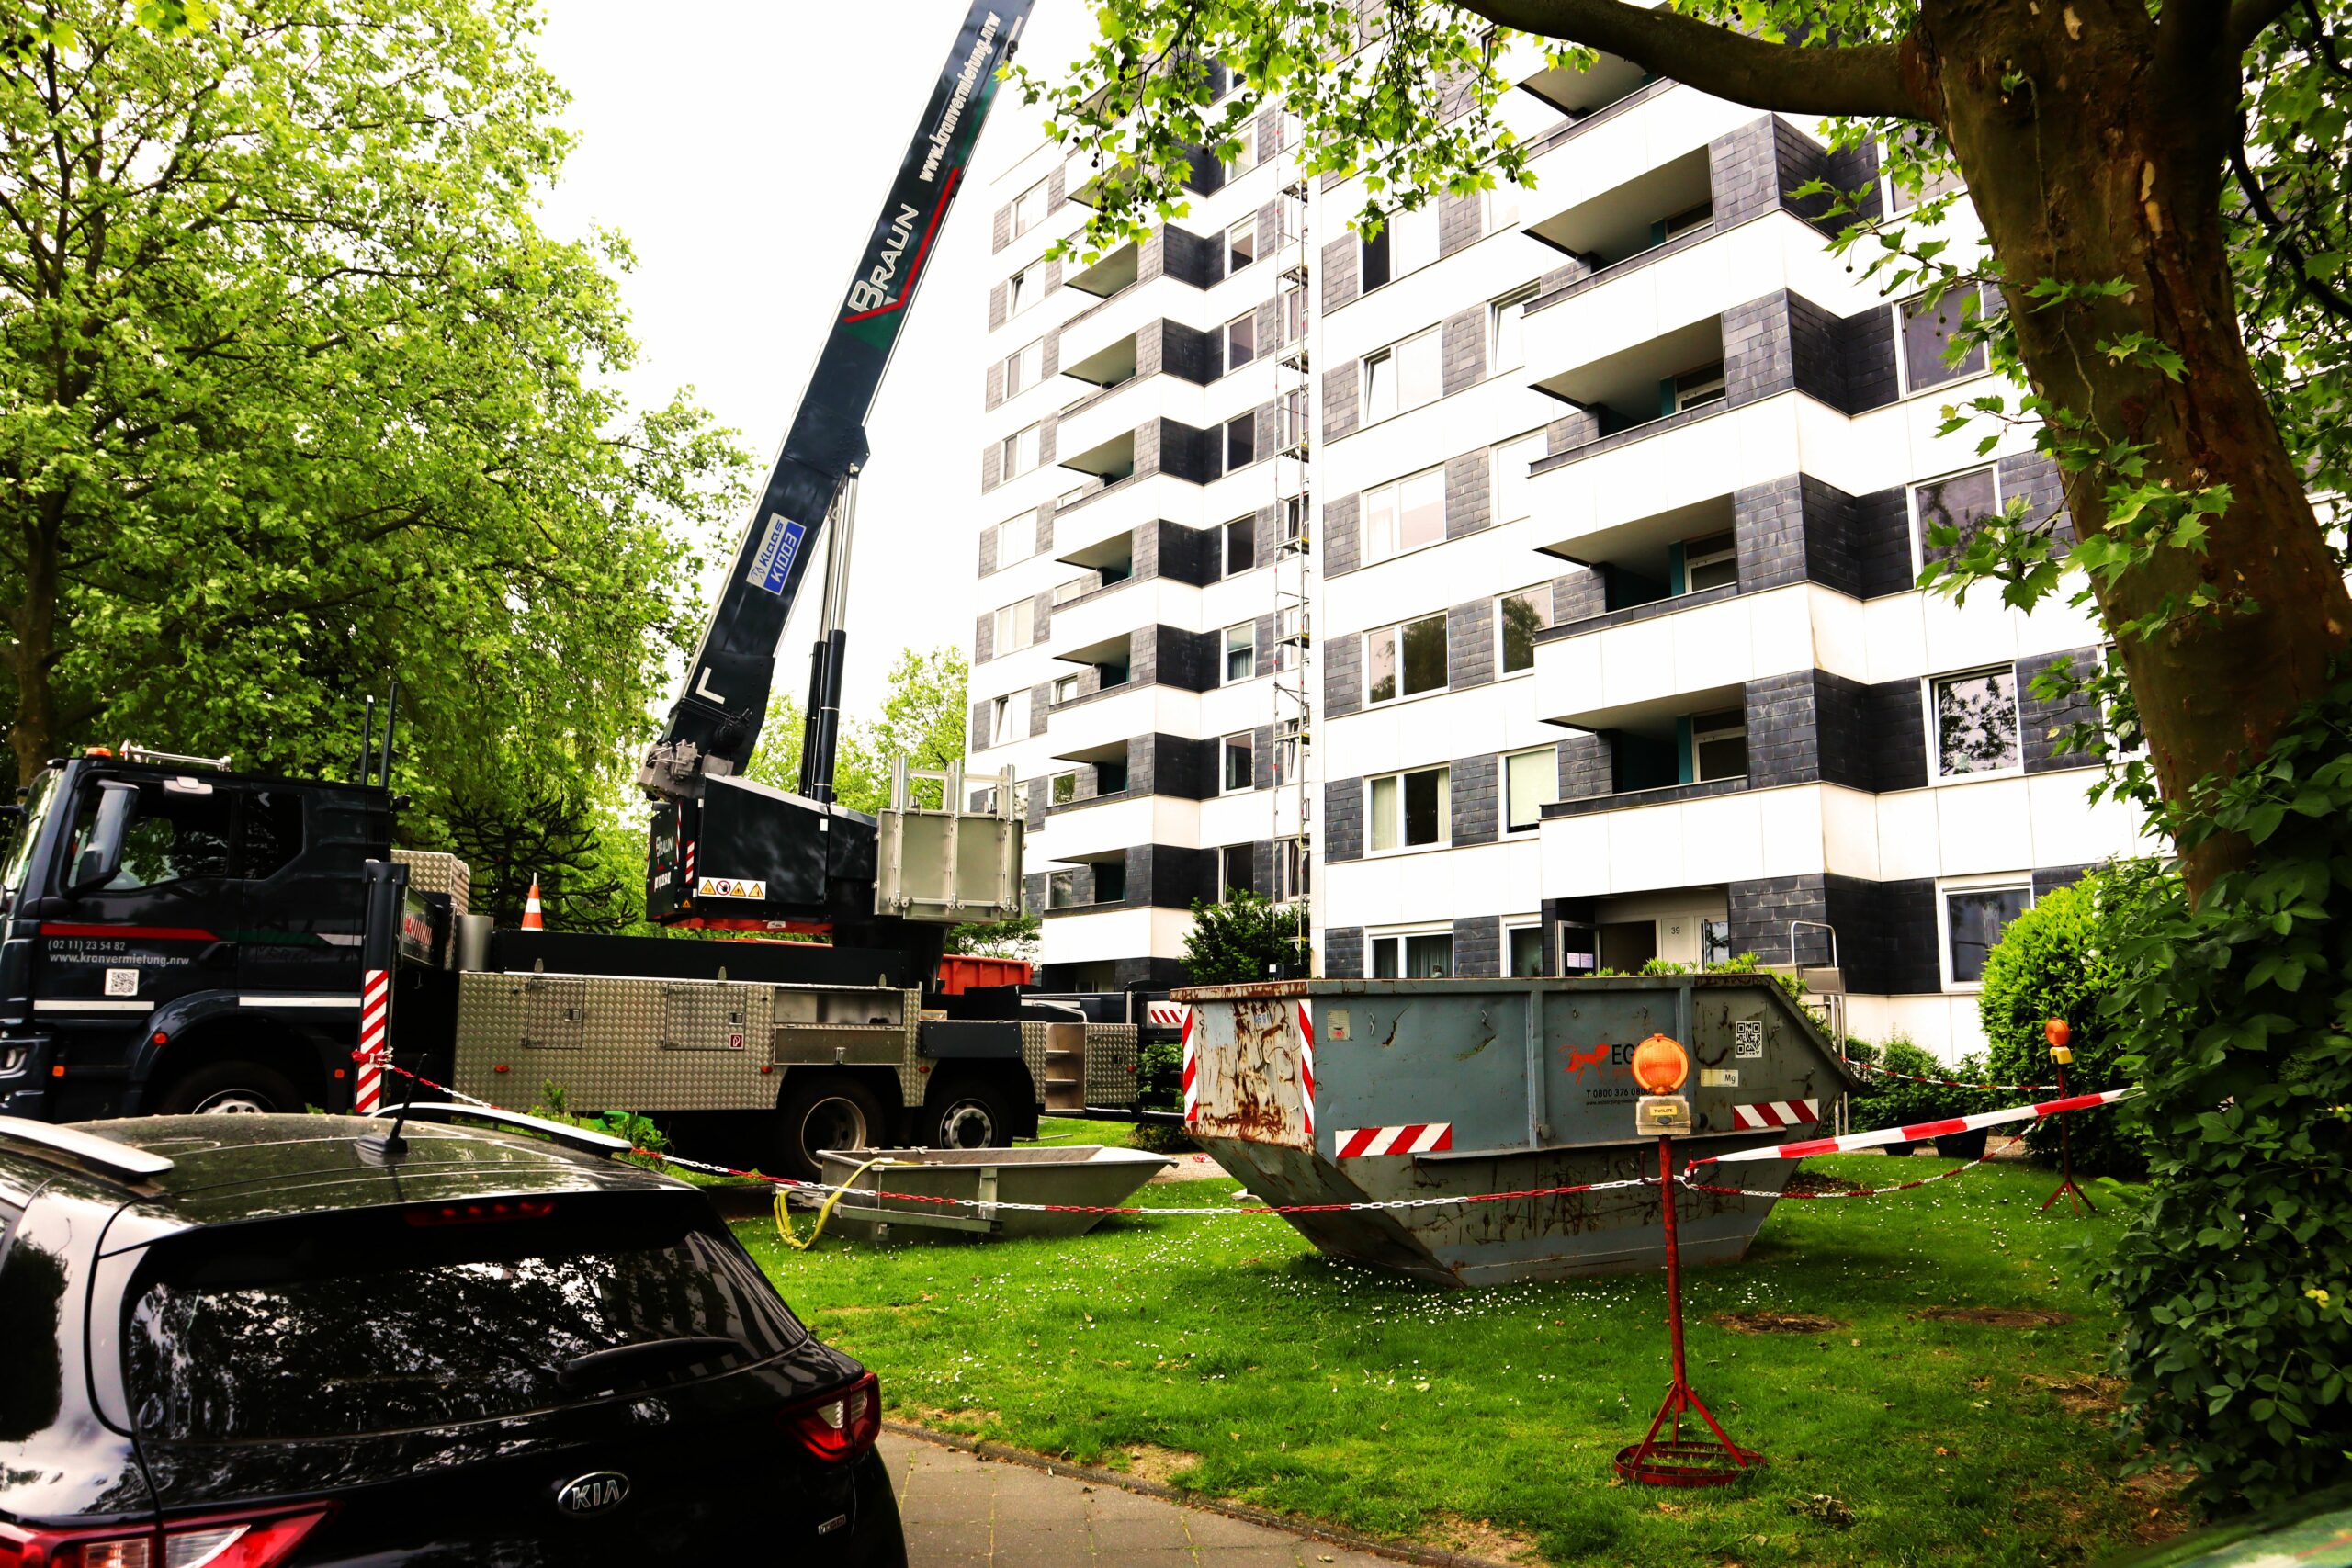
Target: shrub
(2057, 960)
(1884, 1101)
(1244, 939)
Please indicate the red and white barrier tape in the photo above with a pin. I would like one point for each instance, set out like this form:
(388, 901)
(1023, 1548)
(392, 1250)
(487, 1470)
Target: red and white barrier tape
(1950, 1083)
(1686, 1181)
(1917, 1131)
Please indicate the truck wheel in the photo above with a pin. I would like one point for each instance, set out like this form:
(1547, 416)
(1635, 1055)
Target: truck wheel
(968, 1113)
(230, 1087)
(826, 1113)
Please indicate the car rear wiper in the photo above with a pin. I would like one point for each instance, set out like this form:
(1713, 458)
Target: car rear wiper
(604, 1368)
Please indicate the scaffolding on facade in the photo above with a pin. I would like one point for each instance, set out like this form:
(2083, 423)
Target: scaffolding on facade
(1292, 834)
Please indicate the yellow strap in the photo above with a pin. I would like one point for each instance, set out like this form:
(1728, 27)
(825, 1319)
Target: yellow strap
(791, 1237)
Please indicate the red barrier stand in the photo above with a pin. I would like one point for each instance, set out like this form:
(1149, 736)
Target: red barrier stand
(2058, 1034)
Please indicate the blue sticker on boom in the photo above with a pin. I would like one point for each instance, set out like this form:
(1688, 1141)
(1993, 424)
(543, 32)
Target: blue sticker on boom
(772, 563)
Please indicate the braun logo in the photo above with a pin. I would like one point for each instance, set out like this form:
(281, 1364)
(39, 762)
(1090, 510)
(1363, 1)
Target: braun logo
(873, 291)
(597, 1494)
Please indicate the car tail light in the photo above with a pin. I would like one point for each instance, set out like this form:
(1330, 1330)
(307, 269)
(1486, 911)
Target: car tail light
(258, 1542)
(481, 1213)
(841, 1425)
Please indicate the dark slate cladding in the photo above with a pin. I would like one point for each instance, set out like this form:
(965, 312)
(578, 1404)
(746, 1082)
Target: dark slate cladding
(1756, 352)
(995, 394)
(1740, 173)
(997, 304)
(1261, 763)
(1854, 170)
(1781, 733)
(2035, 476)
(987, 551)
(1867, 340)
(2050, 878)
(1342, 388)
(1342, 259)
(983, 637)
(1173, 765)
(1191, 258)
(1474, 794)
(1184, 555)
(1578, 596)
(1343, 953)
(1896, 715)
(1462, 348)
(1165, 447)
(1816, 344)
(1000, 229)
(1459, 220)
(1342, 528)
(1845, 746)
(1470, 645)
(1182, 352)
(1883, 542)
(2041, 724)
(1041, 708)
(1262, 642)
(991, 466)
(1885, 930)
(1478, 946)
(1587, 767)
(1469, 504)
(1343, 819)
(1342, 674)
(1187, 661)
(1033, 892)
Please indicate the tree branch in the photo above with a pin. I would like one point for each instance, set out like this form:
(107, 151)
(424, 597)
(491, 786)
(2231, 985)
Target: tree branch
(1851, 79)
(2249, 18)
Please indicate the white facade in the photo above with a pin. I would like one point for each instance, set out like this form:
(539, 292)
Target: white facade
(1611, 650)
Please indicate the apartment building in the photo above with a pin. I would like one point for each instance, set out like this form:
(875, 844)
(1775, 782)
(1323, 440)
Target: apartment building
(1529, 588)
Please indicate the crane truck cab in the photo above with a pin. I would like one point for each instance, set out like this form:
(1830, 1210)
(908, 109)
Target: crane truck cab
(175, 936)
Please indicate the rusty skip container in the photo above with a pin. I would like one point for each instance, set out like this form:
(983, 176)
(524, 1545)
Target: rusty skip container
(1340, 1092)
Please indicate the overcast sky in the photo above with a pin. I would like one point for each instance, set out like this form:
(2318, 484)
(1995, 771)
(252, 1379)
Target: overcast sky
(744, 147)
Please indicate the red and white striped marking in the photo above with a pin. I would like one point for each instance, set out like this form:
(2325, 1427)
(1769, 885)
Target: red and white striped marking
(1414, 1138)
(690, 866)
(1307, 1070)
(375, 1012)
(1167, 1015)
(1766, 1114)
(1919, 1130)
(1192, 1069)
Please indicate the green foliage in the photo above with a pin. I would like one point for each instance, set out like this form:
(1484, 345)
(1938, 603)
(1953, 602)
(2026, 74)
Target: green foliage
(1884, 1101)
(2236, 1015)
(294, 394)
(1160, 1075)
(2057, 960)
(1161, 1138)
(1246, 938)
(1018, 936)
(924, 720)
(590, 870)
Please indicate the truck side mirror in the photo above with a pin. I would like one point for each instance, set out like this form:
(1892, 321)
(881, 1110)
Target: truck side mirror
(101, 856)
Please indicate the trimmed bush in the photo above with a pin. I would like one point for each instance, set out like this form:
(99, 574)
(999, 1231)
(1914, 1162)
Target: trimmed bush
(1884, 1101)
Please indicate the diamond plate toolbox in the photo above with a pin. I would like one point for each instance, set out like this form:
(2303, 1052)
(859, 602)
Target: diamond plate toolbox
(615, 1044)
(429, 870)
(1111, 1064)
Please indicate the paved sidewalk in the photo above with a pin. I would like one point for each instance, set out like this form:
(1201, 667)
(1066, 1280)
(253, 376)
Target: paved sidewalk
(962, 1512)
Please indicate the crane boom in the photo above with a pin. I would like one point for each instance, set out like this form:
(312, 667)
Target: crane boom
(714, 724)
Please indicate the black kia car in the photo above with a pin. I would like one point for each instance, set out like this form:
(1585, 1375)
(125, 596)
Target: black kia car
(242, 1341)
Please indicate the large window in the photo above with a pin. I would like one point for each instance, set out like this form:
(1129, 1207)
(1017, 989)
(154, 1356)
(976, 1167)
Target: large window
(1506, 347)
(1240, 245)
(1290, 421)
(1065, 689)
(1024, 368)
(1974, 720)
(1290, 313)
(1064, 787)
(1408, 241)
(1526, 945)
(1405, 516)
(1244, 160)
(1241, 341)
(1530, 783)
(1019, 452)
(1404, 660)
(1016, 626)
(1290, 870)
(1287, 752)
(1029, 209)
(1974, 919)
(1240, 442)
(1518, 617)
(1009, 719)
(1411, 810)
(1402, 376)
(1240, 545)
(1963, 502)
(1425, 955)
(1941, 179)
(1710, 561)
(1023, 289)
(1719, 745)
(1239, 771)
(1236, 872)
(1240, 653)
(1927, 332)
(1016, 540)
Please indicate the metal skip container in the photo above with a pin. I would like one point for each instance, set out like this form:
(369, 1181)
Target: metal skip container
(1343, 1091)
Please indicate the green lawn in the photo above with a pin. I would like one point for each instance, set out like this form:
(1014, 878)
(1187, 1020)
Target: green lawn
(1227, 1356)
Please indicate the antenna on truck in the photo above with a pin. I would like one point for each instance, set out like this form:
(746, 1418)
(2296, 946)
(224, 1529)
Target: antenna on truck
(366, 739)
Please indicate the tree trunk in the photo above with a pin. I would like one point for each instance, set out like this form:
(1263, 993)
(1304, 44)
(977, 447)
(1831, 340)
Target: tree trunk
(2102, 158)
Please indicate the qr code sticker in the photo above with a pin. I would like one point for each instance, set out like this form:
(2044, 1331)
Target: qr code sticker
(1747, 1038)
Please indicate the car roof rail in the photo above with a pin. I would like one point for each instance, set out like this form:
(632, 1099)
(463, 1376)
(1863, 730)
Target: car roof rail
(557, 1131)
(86, 1148)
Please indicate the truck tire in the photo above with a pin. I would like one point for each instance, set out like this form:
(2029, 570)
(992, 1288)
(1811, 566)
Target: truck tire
(826, 1110)
(230, 1087)
(968, 1112)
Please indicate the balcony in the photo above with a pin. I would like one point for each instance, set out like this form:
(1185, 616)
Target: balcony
(1677, 374)
(1649, 670)
(1100, 825)
(1111, 459)
(1669, 207)
(1103, 415)
(1097, 627)
(1097, 514)
(1660, 560)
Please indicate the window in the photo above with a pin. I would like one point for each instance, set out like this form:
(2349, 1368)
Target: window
(1403, 376)
(1526, 951)
(1715, 944)
(1412, 238)
(1411, 810)
(1512, 460)
(1684, 222)
(1064, 789)
(1240, 653)
(1111, 778)
(1711, 562)
(1019, 452)
(1930, 183)
(1016, 626)
(1287, 754)
(1530, 783)
(1240, 245)
(1428, 956)
(1290, 314)
(1506, 349)
(1240, 545)
(1075, 588)
(1693, 388)
(1290, 421)
(1290, 870)
(1236, 872)
(1009, 719)
(1502, 207)
(1024, 368)
(1404, 661)
(1066, 689)
(1719, 744)
(1519, 616)
(1029, 209)
(1016, 540)
(1294, 520)
(1926, 331)
(1579, 947)
(180, 832)
(1974, 722)
(1240, 442)
(1290, 634)
(1022, 291)
(1241, 341)
(1062, 887)
(1239, 770)
(273, 833)
(1963, 502)
(1246, 159)
(1111, 881)
(1371, 259)
(1405, 516)
(1974, 919)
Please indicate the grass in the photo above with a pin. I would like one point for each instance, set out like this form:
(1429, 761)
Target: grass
(1226, 1356)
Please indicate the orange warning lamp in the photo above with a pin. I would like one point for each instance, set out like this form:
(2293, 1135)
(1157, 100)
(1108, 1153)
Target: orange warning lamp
(1660, 1064)
(2058, 1034)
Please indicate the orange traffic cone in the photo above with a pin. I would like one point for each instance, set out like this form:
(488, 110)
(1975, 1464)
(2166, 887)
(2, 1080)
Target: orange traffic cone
(531, 916)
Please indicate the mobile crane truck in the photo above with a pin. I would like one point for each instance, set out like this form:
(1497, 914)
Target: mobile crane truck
(177, 936)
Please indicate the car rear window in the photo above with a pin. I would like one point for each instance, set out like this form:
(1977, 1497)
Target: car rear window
(385, 1320)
